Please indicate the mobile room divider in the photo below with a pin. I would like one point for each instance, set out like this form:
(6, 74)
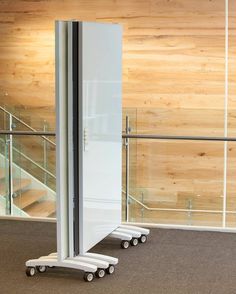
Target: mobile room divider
(89, 144)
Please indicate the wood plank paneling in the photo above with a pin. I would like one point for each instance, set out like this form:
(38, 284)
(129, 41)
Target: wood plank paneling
(173, 82)
(173, 51)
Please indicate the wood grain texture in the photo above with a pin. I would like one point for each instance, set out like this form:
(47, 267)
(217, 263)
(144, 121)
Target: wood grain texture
(173, 52)
(173, 83)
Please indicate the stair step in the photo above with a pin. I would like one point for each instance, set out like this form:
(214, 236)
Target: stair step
(20, 184)
(54, 214)
(41, 209)
(28, 197)
(17, 185)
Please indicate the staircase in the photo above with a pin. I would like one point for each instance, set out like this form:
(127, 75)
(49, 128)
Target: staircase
(31, 198)
(31, 201)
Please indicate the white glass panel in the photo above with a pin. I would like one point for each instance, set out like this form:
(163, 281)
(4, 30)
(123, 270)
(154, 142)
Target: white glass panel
(100, 209)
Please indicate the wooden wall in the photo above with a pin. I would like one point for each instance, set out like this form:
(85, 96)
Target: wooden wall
(173, 56)
(173, 80)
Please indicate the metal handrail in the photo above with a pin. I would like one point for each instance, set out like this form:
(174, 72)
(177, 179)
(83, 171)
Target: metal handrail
(128, 136)
(124, 136)
(176, 209)
(188, 138)
(32, 161)
(34, 132)
(35, 163)
(29, 127)
(26, 133)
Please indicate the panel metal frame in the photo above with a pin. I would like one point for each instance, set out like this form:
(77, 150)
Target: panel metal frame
(70, 138)
(61, 141)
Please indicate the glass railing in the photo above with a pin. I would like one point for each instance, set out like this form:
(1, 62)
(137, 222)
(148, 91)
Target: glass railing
(4, 176)
(168, 178)
(176, 182)
(27, 170)
(23, 191)
(35, 154)
(181, 182)
(175, 178)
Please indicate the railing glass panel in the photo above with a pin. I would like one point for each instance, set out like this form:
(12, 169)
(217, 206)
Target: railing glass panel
(177, 182)
(33, 193)
(36, 153)
(36, 156)
(19, 183)
(22, 192)
(4, 176)
(173, 182)
(231, 186)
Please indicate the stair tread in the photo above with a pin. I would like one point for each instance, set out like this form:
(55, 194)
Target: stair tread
(17, 185)
(28, 197)
(54, 214)
(41, 209)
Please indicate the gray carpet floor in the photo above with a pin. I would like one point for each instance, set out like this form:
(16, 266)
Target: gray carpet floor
(172, 261)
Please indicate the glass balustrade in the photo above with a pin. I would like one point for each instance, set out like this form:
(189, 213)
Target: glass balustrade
(177, 182)
(23, 188)
(27, 170)
(171, 182)
(4, 176)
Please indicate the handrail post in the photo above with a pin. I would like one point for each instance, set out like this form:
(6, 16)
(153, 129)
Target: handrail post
(45, 154)
(127, 131)
(142, 208)
(10, 175)
(189, 207)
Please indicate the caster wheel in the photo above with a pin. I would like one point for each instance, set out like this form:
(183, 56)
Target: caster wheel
(143, 239)
(124, 244)
(134, 242)
(100, 273)
(41, 268)
(88, 277)
(30, 271)
(110, 270)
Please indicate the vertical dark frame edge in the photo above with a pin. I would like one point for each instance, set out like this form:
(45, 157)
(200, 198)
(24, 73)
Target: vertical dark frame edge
(81, 133)
(75, 72)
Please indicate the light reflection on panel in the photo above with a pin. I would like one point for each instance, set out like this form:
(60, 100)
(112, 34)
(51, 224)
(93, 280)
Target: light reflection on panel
(102, 123)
